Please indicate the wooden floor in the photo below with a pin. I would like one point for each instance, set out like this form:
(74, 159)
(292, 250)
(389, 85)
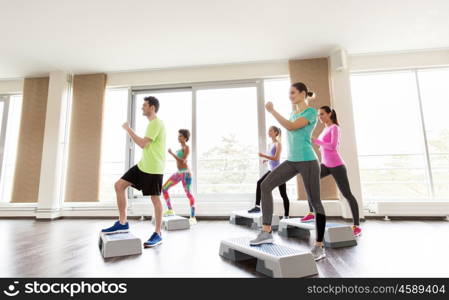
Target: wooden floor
(69, 248)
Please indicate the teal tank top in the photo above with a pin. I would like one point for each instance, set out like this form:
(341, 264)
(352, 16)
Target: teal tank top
(299, 140)
(180, 153)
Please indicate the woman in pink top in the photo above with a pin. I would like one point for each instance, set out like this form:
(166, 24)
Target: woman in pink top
(333, 164)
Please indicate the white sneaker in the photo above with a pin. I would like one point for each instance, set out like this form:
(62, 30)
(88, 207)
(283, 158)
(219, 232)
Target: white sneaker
(262, 238)
(318, 252)
(193, 221)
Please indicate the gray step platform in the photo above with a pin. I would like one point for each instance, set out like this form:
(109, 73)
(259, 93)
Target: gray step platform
(335, 236)
(119, 244)
(272, 260)
(254, 220)
(174, 223)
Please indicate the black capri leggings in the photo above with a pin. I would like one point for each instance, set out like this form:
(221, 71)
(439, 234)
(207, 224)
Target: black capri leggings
(282, 191)
(340, 175)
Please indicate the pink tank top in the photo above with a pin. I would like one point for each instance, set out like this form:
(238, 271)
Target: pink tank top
(329, 141)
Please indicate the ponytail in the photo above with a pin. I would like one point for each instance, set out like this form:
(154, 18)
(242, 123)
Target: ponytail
(333, 113)
(334, 117)
(310, 95)
(301, 87)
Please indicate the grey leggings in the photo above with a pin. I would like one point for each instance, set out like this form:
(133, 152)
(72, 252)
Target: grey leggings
(310, 172)
(340, 175)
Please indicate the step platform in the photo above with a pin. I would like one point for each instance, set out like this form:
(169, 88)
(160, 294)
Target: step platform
(253, 220)
(119, 244)
(174, 223)
(335, 236)
(273, 260)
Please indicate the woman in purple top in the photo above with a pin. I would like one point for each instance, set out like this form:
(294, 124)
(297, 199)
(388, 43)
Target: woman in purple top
(333, 164)
(273, 158)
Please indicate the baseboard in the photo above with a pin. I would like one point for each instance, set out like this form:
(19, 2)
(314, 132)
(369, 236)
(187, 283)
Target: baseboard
(145, 209)
(11, 210)
(223, 209)
(411, 209)
(48, 216)
(17, 213)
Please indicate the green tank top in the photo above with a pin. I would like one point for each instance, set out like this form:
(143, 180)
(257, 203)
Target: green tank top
(180, 153)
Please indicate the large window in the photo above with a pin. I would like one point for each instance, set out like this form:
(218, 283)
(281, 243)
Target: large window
(227, 130)
(176, 113)
(113, 147)
(400, 132)
(10, 114)
(225, 124)
(434, 91)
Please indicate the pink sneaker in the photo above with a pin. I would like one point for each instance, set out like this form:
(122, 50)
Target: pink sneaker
(356, 230)
(308, 218)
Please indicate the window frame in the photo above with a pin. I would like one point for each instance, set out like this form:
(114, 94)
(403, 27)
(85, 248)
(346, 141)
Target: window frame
(6, 97)
(428, 165)
(5, 100)
(258, 83)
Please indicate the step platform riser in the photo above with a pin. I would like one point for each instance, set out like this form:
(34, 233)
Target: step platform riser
(272, 260)
(119, 244)
(253, 220)
(174, 223)
(335, 236)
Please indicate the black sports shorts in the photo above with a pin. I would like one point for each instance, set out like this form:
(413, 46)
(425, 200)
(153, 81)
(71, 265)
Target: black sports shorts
(149, 184)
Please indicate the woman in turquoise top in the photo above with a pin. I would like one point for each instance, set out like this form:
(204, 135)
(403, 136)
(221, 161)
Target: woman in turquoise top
(301, 160)
(182, 175)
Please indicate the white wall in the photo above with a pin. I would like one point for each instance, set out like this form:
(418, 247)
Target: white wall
(388, 61)
(342, 103)
(199, 74)
(11, 86)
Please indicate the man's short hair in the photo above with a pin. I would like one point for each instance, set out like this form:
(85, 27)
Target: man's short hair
(152, 101)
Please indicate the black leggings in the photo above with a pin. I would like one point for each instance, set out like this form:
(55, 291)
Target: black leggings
(282, 191)
(340, 175)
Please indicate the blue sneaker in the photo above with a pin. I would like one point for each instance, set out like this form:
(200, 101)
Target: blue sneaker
(116, 228)
(154, 240)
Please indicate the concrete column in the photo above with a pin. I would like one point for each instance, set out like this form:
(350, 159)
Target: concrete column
(342, 103)
(50, 193)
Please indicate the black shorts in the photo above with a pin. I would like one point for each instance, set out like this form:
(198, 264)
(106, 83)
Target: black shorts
(149, 184)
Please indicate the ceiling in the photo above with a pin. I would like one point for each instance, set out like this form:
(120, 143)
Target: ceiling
(102, 35)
